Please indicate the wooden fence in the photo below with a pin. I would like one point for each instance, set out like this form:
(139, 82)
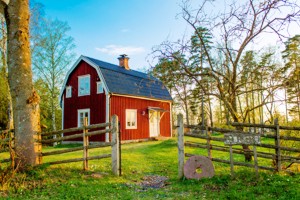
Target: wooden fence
(205, 133)
(112, 127)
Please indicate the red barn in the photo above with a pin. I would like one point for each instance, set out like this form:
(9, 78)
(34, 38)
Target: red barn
(97, 90)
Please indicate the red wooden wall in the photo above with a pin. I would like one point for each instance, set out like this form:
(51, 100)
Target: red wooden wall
(118, 106)
(95, 102)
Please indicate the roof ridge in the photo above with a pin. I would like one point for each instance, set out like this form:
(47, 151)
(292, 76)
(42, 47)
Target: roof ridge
(149, 76)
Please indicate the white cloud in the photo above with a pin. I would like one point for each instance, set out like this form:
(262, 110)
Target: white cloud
(118, 50)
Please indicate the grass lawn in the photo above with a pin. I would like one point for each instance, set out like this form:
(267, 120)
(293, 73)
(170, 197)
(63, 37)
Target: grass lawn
(68, 181)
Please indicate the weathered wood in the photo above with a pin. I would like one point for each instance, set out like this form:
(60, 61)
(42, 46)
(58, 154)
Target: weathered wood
(208, 142)
(231, 160)
(205, 137)
(277, 144)
(115, 156)
(240, 151)
(79, 159)
(292, 128)
(74, 136)
(75, 129)
(99, 132)
(85, 145)
(103, 144)
(240, 138)
(226, 149)
(235, 163)
(180, 136)
(255, 160)
(252, 125)
(93, 126)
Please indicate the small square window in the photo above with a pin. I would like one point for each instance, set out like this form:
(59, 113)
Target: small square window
(131, 119)
(84, 85)
(68, 91)
(99, 87)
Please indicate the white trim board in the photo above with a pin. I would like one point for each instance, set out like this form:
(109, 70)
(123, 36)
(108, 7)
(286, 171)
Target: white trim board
(96, 67)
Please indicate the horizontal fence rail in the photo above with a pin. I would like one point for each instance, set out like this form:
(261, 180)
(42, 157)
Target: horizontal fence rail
(278, 152)
(59, 136)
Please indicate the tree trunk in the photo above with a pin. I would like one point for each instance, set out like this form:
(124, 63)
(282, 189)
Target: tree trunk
(24, 98)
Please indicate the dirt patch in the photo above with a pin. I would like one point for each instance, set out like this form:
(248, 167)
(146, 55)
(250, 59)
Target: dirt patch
(154, 181)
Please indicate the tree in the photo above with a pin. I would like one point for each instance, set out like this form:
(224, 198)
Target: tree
(232, 32)
(24, 97)
(291, 55)
(52, 55)
(168, 71)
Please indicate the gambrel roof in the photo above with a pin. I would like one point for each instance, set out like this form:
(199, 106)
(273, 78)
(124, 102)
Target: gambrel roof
(118, 80)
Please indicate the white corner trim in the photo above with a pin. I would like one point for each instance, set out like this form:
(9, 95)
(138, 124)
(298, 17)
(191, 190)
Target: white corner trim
(107, 117)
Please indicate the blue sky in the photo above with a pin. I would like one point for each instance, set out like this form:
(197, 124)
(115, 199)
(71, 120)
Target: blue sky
(104, 29)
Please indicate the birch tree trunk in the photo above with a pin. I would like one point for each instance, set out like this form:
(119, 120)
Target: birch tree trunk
(24, 98)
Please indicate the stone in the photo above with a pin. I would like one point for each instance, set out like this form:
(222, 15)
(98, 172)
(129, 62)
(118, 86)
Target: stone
(196, 162)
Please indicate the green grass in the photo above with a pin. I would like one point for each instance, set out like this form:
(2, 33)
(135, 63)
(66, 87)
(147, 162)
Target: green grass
(68, 181)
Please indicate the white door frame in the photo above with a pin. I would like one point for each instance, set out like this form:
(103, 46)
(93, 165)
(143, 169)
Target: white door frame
(157, 121)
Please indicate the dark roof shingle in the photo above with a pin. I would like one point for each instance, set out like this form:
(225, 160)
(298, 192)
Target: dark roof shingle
(131, 82)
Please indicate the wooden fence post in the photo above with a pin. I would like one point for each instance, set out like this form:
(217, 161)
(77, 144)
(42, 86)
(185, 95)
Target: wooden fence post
(255, 160)
(231, 160)
(85, 145)
(277, 144)
(180, 134)
(115, 156)
(208, 140)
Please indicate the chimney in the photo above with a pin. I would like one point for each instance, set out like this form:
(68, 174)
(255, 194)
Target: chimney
(123, 61)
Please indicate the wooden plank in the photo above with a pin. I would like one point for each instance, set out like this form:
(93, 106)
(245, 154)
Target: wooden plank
(226, 149)
(231, 160)
(255, 161)
(99, 132)
(277, 144)
(205, 137)
(115, 156)
(252, 125)
(102, 144)
(208, 142)
(79, 159)
(49, 141)
(292, 128)
(234, 138)
(85, 139)
(93, 126)
(235, 163)
(180, 146)
(62, 131)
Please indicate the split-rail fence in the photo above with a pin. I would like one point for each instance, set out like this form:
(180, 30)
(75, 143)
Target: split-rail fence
(83, 132)
(204, 133)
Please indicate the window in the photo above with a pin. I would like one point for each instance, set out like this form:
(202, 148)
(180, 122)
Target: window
(131, 119)
(99, 87)
(84, 85)
(68, 91)
(82, 114)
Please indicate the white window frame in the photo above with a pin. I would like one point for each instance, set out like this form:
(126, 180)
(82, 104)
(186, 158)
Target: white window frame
(127, 116)
(87, 110)
(100, 86)
(89, 89)
(68, 91)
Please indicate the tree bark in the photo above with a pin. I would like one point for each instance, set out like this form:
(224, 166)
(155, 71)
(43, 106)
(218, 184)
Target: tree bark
(24, 98)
